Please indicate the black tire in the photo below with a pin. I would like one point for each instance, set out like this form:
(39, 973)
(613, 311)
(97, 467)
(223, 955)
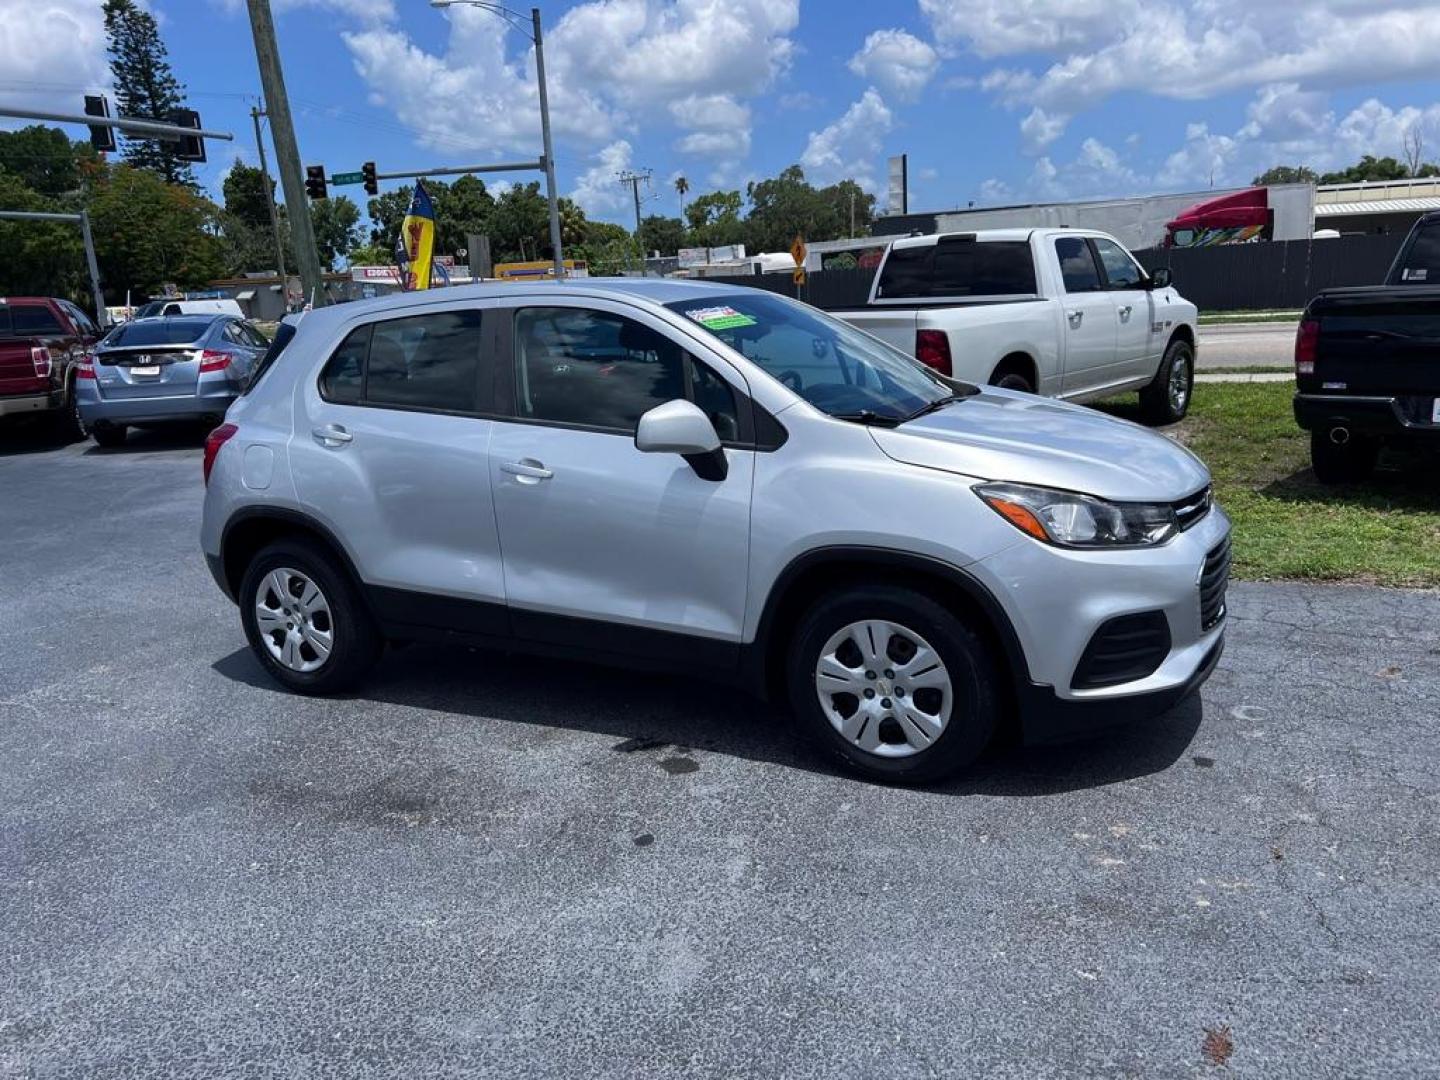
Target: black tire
(1342, 463)
(974, 674)
(1013, 380)
(108, 435)
(356, 643)
(1156, 400)
(65, 423)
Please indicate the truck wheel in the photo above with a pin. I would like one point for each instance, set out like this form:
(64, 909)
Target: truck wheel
(893, 684)
(65, 422)
(1343, 462)
(1012, 381)
(1167, 399)
(109, 435)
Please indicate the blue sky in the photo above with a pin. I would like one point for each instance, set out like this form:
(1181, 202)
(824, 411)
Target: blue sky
(994, 100)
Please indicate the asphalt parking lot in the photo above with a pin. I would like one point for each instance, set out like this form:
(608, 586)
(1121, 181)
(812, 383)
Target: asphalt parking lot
(504, 867)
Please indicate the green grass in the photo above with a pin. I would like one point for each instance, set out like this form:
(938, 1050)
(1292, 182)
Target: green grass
(1244, 369)
(1385, 531)
(1220, 318)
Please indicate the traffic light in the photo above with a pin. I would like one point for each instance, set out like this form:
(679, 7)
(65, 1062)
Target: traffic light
(101, 138)
(372, 186)
(192, 147)
(315, 181)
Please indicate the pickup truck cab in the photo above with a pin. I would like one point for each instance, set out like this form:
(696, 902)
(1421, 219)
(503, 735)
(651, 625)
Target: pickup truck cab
(1365, 363)
(41, 342)
(1067, 313)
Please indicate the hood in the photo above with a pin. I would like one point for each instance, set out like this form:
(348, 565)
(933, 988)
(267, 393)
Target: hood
(1003, 435)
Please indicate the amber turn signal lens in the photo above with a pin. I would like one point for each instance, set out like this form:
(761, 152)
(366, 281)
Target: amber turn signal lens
(1019, 516)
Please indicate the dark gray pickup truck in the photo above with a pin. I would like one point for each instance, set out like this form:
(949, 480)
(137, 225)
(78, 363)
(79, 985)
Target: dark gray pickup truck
(1367, 363)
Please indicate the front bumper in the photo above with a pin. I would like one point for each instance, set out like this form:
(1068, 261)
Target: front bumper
(1406, 416)
(1056, 599)
(29, 403)
(156, 410)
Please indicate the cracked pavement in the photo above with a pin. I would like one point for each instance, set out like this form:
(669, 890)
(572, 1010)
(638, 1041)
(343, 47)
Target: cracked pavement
(482, 865)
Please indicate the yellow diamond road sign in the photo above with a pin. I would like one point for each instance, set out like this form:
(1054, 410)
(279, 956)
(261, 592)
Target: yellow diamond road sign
(797, 250)
(798, 275)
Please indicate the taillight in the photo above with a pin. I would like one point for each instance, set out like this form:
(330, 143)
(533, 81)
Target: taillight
(1307, 344)
(210, 360)
(85, 367)
(216, 439)
(932, 348)
(40, 357)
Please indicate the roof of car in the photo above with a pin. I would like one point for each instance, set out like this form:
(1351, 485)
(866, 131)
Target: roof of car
(656, 290)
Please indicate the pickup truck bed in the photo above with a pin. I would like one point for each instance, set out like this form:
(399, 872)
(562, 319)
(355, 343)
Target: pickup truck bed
(1367, 365)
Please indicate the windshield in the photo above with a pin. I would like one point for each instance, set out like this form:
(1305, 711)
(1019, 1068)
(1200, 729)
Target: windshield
(1419, 262)
(171, 331)
(831, 365)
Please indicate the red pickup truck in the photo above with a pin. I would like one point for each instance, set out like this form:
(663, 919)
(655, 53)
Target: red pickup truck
(41, 341)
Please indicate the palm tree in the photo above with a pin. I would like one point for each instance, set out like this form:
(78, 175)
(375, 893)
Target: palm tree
(682, 187)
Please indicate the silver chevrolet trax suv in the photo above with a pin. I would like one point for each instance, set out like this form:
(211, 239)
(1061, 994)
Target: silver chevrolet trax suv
(719, 481)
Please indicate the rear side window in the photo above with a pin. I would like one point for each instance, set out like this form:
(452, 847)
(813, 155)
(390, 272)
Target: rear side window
(424, 362)
(1420, 261)
(33, 319)
(282, 338)
(1120, 268)
(959, 267)
(1077, 265)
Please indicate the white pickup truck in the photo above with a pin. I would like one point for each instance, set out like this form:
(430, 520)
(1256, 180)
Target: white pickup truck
(1066, 313)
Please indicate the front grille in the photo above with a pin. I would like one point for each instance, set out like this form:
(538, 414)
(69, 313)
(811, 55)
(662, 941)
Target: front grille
(1213, 579)
(1125, 648)
(1192, 511)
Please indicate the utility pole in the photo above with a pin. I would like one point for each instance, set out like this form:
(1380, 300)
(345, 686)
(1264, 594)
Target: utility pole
(551, 195)
(255, 115)
(282, 129)
(635, 179)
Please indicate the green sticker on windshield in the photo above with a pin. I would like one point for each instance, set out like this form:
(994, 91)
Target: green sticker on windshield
(720, 318)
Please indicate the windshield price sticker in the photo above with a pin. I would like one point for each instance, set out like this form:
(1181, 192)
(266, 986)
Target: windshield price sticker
(720, 318)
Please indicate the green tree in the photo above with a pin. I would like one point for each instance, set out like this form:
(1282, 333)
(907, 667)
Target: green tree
(1287, 174)
(45, 159)
(461, 208)
(663, 234)
(386, 213)
(1368, 168)
(520, 225)
(41, 257)
(148, 232)
(145, 87)
(336, 222)
(246, 195)
(714, 219)
(371, 255)
(848, 201)
(785, 206)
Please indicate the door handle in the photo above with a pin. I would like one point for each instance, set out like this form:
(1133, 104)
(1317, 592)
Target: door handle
(1125, 313)
(528, 470)
(1075, 319)
(331, 435)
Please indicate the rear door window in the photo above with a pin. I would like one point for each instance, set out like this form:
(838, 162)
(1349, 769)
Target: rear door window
(1420, 262)
(1077, 265)
(429, 362)
(1121, 271)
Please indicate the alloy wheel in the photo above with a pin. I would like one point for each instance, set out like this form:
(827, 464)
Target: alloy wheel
(884, 688)
(293, 618)
(1179, 382)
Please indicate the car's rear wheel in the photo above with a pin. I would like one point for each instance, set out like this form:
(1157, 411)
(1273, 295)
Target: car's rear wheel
(1167, 399)
(108, 435)
(305, 619)
(893, 684)
(1344, 462)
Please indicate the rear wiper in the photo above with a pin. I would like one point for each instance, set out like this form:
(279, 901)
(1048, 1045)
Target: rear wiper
(867, 416)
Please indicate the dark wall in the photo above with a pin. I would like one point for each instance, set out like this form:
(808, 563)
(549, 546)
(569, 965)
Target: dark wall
(1281, 274)
(1235, 277)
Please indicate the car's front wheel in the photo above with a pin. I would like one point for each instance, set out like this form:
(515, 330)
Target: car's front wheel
(894, 684)
(1167, 399)
(305, 619)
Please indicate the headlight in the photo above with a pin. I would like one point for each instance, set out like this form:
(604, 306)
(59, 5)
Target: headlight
(1071, 520)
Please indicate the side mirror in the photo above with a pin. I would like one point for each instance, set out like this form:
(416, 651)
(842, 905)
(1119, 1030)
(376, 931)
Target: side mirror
(1160, 278)
(679, 427)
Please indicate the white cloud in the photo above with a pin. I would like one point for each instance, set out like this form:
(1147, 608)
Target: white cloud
(48, 50)
(598, 189)
(1189, 49)
(719, 125)
(898, 62)
(1040, 129)
(851, 146)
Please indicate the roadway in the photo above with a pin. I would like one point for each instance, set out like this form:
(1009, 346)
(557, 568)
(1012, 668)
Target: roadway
(1232, 345)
